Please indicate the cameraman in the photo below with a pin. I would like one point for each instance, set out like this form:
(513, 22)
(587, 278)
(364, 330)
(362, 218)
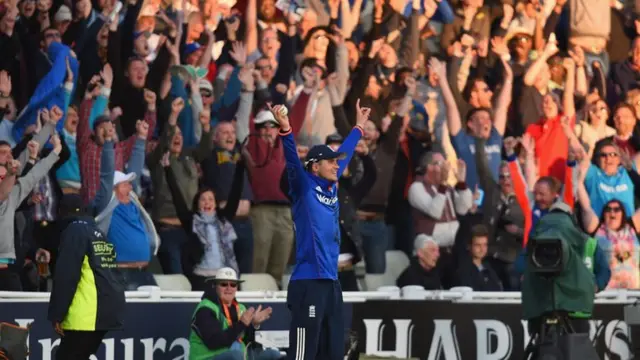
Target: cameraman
(568, 291)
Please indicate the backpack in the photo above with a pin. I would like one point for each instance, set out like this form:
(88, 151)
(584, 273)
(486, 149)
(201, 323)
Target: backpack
(13, 341)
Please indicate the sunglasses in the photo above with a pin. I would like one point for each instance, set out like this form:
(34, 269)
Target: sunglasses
(228, 284)
(504, 176)
(615, 209)
(206, 93)
(607, 155)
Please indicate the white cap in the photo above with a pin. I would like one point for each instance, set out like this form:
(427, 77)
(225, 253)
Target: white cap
(63, 14)
(263, 117)
(205, 84)
(227, 3)
(226, 274)
(120, 177)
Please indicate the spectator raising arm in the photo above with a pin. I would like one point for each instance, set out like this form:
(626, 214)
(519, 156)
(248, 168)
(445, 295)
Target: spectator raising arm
(453, 114)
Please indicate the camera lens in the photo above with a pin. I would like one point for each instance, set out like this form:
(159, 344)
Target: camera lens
(546, 255)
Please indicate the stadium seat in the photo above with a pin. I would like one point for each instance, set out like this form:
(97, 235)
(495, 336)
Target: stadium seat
(258, 282)
(397, 262)
(374, 281)
(285, 281)
(175, 282)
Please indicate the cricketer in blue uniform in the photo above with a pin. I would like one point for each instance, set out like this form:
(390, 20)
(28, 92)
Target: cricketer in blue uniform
(314, 294)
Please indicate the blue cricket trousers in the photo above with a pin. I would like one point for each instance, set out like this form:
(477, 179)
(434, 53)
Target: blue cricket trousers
(317, 321)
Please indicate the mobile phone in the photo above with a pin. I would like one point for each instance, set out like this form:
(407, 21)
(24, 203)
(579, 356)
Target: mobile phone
(480, 198)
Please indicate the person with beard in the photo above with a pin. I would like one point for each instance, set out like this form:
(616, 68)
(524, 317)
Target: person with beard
(480, 122)
(87, 299)
(89, 143)
(224, 329)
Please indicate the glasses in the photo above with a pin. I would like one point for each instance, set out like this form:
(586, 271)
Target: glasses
(615, 209)
(206, 93)
(504, 176)
(228, 284)
(609, 155)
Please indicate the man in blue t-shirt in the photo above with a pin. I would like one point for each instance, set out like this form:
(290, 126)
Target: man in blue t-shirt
(314, 293)
(480, 122)
(121, 216)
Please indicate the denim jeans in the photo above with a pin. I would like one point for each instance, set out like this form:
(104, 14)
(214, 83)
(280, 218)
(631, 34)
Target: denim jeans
(235, 353)
(132, 279)
(170, 252)
(243, 246)
(375, 243)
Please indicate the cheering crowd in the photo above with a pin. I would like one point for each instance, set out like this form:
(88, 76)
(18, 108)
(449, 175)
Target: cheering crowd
(152, 117)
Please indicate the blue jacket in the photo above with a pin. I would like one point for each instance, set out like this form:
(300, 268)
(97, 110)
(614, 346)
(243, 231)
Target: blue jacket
(315, 212)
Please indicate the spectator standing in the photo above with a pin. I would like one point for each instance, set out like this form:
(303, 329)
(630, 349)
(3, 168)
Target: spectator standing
(121, 216)
(87, 299)
(436, 205)
(271, 211)
(218, 174)
(503, 215)
(211, 233)
(383, 148)
(12, 192)
(164, 214)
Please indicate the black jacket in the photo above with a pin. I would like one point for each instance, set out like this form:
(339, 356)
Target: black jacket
(415, 274)
(469, 275)
(209, 327)
(86, 272)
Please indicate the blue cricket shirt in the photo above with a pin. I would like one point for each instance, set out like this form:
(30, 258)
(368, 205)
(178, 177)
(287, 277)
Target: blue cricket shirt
(315, 212)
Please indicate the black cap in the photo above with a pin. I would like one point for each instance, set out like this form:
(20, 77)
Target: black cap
(323, 152)
(71, 204)
(334, 139)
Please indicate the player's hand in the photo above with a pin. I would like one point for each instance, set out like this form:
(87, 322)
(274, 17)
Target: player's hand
(280, 113)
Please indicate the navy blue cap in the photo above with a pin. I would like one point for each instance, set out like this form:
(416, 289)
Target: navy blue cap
(323, 152)
(71, 204)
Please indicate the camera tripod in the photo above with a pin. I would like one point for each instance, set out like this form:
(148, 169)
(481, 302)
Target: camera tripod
(544, 343)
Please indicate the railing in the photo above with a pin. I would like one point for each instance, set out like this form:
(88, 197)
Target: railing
(463, 295)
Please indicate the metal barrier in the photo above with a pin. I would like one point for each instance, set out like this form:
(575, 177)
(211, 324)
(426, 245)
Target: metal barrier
(154, 294)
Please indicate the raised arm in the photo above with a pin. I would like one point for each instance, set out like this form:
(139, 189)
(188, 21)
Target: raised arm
(504, 99)
(453, 114)
(295, 170)
(26, 183)
(349, 144)
(590, 220)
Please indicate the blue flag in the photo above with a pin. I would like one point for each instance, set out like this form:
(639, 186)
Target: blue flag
(50, 90)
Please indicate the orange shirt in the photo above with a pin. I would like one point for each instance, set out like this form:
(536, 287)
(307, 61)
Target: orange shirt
(552, 146)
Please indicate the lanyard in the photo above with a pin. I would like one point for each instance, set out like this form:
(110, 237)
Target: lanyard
(227, 315)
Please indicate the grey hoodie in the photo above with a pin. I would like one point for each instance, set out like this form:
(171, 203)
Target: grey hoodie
(20, 190)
